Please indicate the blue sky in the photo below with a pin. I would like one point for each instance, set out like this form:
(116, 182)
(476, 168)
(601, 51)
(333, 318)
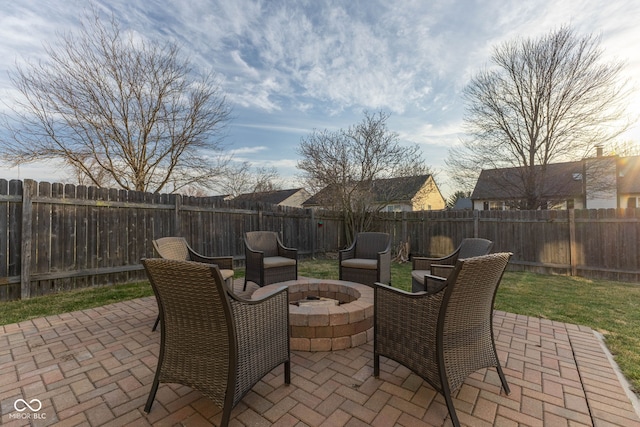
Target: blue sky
(289, 67)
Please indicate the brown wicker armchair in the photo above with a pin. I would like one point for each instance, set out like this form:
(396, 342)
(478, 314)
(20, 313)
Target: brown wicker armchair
(267, 259)
(212, 340)
(178, 249)
(423, 267)
(367, 260)
(445, 336)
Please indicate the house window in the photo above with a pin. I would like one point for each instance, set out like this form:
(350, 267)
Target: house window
(485, 206)
(632, 202)
(494, 206)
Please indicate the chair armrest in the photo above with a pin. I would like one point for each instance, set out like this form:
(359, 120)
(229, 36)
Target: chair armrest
(252, 256)
(384, 265)
(434, 284)
(397, 290)
(424, 263)
(262, 331)
(223, 262)
(288, 252)
(441, 270)
(347, 253)
(405, 323)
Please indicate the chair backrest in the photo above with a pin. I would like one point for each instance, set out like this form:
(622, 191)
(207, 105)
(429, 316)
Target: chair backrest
(172, 248)
(198, 338)
(264, 241)
(467, 309)
(369, 244)
(472, 247)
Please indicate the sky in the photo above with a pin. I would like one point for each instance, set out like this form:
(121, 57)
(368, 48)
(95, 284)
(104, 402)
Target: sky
(288, 68)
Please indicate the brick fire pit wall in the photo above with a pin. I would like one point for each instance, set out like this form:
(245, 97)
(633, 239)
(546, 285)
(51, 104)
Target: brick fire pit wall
(326, 328)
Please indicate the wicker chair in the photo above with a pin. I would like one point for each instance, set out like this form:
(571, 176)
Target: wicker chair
(442, 267)
(367, 260)
(268, 260)
(177, 248)
(445, 336)
(212, 340)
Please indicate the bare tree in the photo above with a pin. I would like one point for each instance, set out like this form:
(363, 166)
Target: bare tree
(118, 109)
(346, 164)
(545, 100)
(267, 179)
(240, 179)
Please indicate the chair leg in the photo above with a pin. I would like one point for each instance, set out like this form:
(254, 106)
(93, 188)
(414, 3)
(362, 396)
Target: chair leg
(287, 372)
(503, 380)
(452, 410)
(226, 415)
(376, 364)
(155, 325)
(152, 395)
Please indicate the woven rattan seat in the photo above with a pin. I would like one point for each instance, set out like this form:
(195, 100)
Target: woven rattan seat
(367, 260)
(268, 260)
(212, 340)
(444, 336)
(423, 266)
(177, 248)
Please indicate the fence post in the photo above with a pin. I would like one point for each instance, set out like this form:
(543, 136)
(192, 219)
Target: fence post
(28, 187)
(177, 225)
(476, 223)
(573, 253)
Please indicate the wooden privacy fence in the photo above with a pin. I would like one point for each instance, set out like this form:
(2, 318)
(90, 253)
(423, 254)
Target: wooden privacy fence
(594, 243)
(56, 237)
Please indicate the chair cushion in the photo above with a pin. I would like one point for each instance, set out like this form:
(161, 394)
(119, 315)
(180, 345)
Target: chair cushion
(418, 275)
(278, 261)
(365, 264)
(226, 274)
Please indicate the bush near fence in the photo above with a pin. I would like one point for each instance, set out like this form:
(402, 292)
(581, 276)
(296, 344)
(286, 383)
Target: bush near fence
(57, 237)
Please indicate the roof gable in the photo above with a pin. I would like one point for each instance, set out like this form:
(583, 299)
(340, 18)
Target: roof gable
(403, 189)
(274, 197)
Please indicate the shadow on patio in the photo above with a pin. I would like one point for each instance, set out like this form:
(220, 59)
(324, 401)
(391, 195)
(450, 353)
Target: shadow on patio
(95, 367)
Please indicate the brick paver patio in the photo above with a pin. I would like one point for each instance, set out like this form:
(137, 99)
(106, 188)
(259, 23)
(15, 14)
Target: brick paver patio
(94, 367)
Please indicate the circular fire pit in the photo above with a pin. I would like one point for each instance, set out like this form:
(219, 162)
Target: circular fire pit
(338, 315)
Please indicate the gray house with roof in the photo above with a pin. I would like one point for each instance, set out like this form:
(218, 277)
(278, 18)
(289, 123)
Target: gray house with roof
(592, 183)
(293, 197)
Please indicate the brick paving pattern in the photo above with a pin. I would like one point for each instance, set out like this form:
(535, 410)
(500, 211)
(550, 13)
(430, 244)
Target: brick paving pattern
(95, 367)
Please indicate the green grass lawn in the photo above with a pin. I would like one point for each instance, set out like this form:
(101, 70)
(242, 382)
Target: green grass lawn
(612, 308)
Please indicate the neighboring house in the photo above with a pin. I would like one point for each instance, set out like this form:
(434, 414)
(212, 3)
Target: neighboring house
(293, 197)
(414, 193)
(592, 183)
(463, 204)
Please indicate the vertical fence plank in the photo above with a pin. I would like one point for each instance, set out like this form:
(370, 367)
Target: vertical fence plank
(4, 241)
(27, 224)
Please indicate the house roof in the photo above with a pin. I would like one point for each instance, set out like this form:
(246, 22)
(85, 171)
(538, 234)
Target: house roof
(629, 175)
(402, 188)
(274, 197)
(463, 203)
(561, 180)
